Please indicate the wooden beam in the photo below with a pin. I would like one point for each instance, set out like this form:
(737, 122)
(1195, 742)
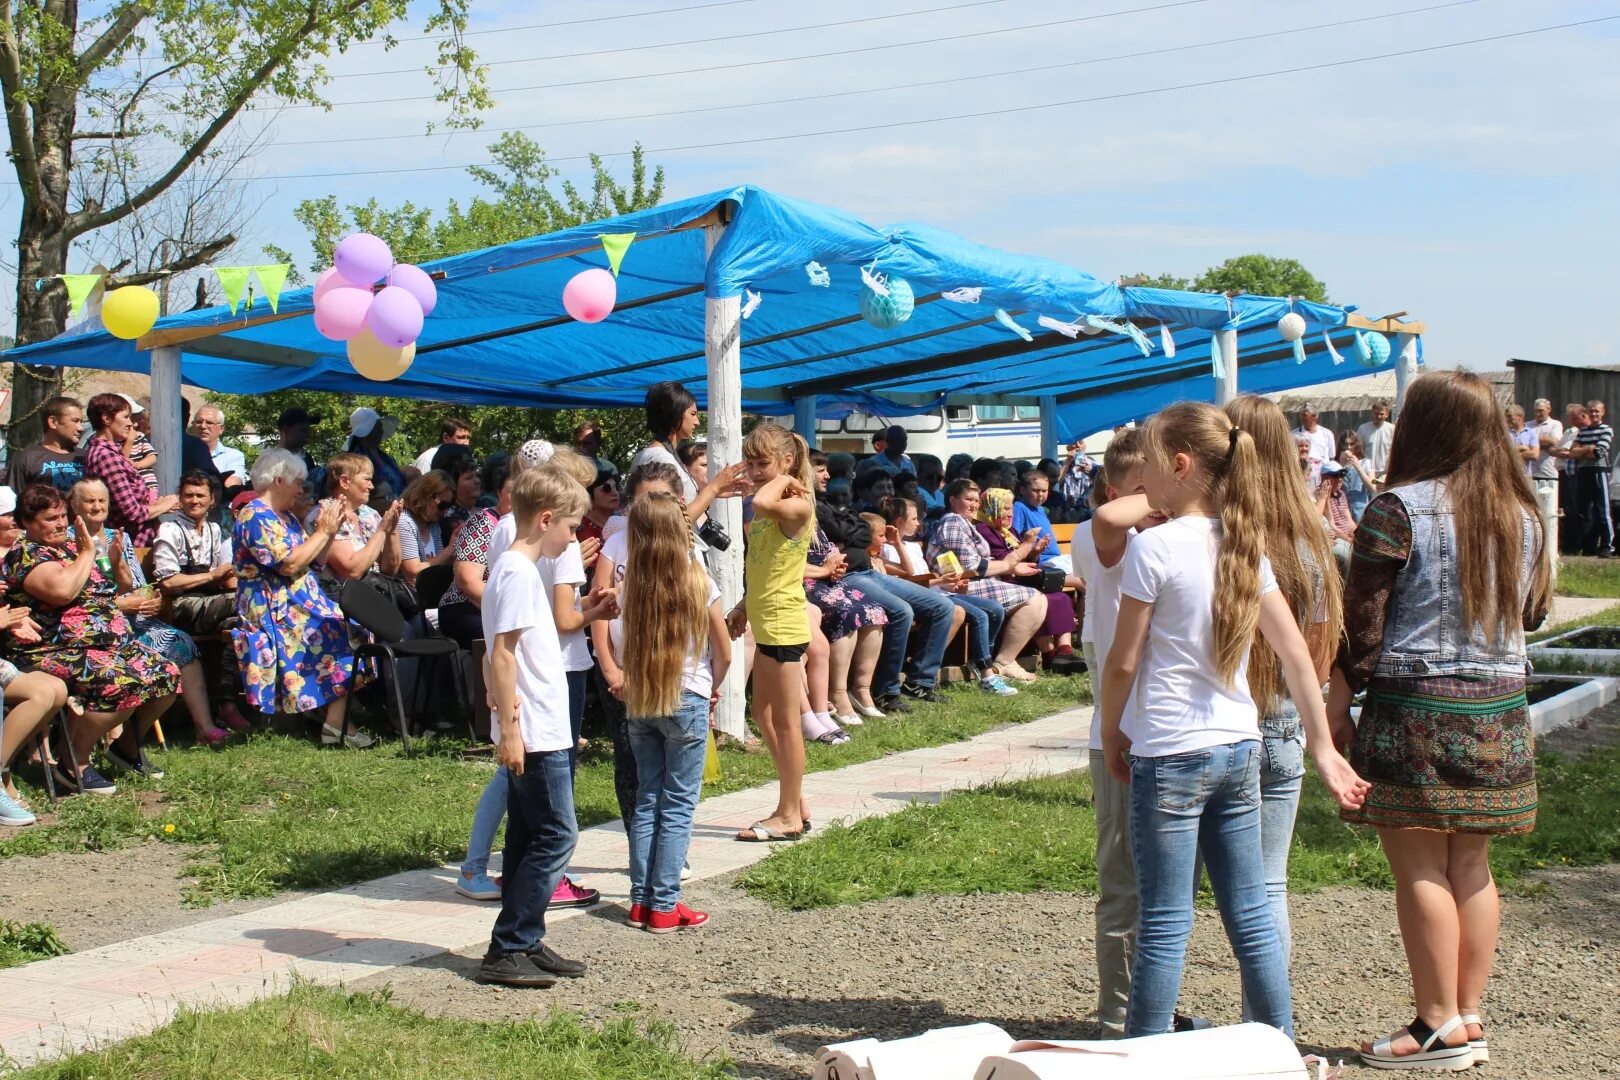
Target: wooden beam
(1387, 325)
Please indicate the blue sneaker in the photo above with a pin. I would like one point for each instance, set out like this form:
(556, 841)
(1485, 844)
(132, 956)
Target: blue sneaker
(14, 813)
(139, 764)
(995, 684)
(482, 887)
(88, 782)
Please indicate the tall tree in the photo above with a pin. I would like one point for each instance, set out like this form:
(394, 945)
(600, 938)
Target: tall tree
(178, 72)
(1263, 275)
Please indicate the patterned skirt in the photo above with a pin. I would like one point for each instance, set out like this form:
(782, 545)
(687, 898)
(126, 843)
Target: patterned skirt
(1452, 754)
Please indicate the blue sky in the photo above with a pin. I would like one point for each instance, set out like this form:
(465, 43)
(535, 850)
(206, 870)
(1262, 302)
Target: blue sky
(1474, 187)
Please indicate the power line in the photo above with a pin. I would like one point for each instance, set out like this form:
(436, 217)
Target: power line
(886, 89)
(891, 125)
(781, 60)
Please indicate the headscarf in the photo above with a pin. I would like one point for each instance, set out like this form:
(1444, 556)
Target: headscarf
(993, 503)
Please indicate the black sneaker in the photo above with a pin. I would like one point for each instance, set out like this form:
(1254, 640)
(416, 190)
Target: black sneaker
(139, 764)
(514, 969)
(919, 693)
(546, 959)
(892, 703)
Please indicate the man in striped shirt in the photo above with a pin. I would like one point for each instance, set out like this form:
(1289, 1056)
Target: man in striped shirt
(1591, 458)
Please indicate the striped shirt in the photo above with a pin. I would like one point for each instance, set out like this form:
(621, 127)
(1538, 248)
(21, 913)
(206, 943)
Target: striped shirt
(1598, 437)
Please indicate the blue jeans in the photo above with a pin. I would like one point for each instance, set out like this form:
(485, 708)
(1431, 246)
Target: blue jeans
(1282, 772)
(1209, 800)
(541, 831)
(984, 619)
(576, 713)
(901, 601)
(669, 768)
(486, 820)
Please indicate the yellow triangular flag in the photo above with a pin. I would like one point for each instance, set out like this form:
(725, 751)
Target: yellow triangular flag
(233, 279)
(615, 244)
(271, 279)
(78, 289)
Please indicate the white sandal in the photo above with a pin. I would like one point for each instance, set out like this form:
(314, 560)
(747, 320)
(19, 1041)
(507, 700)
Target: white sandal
(1482, 1052)
(1432, 1052)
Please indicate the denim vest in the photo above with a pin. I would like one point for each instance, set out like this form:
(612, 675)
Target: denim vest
(1425, 632)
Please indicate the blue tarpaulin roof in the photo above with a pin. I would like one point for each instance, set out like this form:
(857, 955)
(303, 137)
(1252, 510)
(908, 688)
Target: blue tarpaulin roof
(499, 334)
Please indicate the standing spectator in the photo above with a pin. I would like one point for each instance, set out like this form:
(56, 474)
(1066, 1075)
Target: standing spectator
(1574, 530)
(672, 415)
(588, 441)
(292, 435)
(1074, 482)
(1360, 479)
(1544, 474)
(232, 465)
(367, 430)
(604, 493)
(139, 449)
(56, 460)
(891, 454)
(1525, 445)
(1323, 446)
(454, 431)
(1334, 506)
(1376, 436)
(133, 508)
(194, 455)
(1591, 456)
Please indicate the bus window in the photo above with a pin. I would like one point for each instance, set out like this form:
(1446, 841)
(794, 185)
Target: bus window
(994, 413)
(1029, 412)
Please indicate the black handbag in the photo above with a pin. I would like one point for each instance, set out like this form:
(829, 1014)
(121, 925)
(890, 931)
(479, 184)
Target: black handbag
(1051, 579)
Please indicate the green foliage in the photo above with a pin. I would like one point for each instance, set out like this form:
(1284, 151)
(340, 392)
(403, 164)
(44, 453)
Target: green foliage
(1589, 577)
(1260, 275)
(520, 204)
(319, 1033)
(23, 943)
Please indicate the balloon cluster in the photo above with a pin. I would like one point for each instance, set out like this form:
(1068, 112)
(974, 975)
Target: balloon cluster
(380, 325)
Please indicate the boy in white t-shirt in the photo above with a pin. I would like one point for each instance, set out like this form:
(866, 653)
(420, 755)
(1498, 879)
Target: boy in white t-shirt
(529, 692)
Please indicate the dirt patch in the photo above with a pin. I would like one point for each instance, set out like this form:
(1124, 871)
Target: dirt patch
(1598, 728)
(96, 898)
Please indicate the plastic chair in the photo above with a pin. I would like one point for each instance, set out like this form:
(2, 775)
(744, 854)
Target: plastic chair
(431, 585)
(377, 614)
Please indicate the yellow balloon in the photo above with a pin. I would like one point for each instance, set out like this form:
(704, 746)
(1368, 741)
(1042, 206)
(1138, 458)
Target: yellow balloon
(377, 361)
(129, 312)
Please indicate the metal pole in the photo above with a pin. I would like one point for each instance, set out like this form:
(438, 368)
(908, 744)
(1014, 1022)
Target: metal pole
(722, 342)
(1405, 367)
(1228, 389)
(804, 418)
(166, 415)
(1049, 430)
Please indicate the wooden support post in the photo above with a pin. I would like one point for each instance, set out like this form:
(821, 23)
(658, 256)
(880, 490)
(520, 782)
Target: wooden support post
(804, 419)
(722, 347)
(1406, 362)
(1228, 389)
(166, 427)
(1049, 430)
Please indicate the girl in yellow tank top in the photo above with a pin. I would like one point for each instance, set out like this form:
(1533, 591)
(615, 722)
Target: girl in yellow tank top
(778, 541)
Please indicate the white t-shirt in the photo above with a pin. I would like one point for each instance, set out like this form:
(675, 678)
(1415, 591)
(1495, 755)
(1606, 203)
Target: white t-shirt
(504, 536)
(515, 599)
(913, 560)
(1102, 606)
(424, 460)
(1178, 704)
(699, 675)
(568, 569)
(1376, 441)
(1545, 467)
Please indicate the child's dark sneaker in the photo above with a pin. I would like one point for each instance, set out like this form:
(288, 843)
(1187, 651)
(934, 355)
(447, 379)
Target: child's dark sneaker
(514, 969)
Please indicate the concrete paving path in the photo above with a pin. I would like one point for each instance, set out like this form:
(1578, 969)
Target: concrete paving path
(56, 1007)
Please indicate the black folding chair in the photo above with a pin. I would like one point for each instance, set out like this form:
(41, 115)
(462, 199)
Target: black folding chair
(431, 585)
(377, 614)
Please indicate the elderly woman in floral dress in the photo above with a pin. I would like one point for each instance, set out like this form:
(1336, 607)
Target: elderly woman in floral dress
(293, 641)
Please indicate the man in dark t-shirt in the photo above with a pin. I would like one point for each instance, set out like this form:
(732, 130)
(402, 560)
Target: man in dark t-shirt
(57, 459)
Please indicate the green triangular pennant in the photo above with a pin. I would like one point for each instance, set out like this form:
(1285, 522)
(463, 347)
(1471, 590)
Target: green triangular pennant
(615, 244)
(78, 289)
(271, 279)
(233, 279)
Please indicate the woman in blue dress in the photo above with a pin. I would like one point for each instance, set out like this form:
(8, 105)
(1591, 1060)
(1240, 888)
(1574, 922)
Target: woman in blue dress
(293, 641)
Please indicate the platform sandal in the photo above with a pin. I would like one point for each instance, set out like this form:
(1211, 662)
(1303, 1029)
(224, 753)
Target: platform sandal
(1482, 1052)
(1432, 1052)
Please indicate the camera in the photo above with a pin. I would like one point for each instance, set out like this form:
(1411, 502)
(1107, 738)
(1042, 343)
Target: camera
(712, 534)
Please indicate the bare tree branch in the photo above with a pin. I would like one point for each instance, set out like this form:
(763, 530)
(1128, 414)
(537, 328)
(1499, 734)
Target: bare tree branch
(116, 33)
(16, 105)
(98, 136)
(202, 256)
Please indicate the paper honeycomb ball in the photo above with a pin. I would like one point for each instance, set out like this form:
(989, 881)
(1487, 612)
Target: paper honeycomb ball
(1291, 327)
(888, 312)
(1372, 349)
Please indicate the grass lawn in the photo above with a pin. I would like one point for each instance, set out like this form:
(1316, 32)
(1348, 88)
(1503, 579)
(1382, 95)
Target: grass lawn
(1035, 835)
(320, 1033)
(276, 812)
(1589, 577)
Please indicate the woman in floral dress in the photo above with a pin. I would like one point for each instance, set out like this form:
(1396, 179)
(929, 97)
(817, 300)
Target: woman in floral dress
(84, 639)
(852, 625)
(293, 641)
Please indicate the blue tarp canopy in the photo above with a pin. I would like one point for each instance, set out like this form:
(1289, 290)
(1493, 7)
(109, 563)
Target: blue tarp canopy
(499, 334)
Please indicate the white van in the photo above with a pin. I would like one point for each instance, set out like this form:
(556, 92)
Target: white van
(1008, 432)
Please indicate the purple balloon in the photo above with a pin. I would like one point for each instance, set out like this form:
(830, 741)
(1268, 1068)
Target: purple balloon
(341, 313)
(395, 318)
(362, 258)
(415, 280)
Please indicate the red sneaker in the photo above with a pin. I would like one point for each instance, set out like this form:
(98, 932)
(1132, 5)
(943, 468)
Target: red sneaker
(569, 894)
(682, 918)
(638, 916)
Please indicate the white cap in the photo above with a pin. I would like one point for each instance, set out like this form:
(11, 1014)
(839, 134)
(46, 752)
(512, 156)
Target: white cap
(134, 406)
(363, 420)
(535, 452)
(8, 501)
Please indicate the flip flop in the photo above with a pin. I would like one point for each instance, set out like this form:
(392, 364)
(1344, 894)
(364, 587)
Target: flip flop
(757, 833)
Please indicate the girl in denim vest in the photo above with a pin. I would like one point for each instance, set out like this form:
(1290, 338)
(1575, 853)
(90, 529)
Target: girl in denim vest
(1179, 722)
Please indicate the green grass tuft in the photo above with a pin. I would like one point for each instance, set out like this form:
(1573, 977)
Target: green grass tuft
(1589, 577)
(321, 1034)
(23, 943)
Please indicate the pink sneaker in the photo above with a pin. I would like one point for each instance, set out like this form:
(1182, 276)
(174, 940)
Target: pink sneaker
(569, 894)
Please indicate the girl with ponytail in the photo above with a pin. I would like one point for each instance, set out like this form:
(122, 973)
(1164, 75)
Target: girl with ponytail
(1179, 722)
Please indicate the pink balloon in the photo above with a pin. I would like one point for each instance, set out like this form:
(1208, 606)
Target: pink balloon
(395, 317)
(328, 280)
(341, 313)
(362, 258)
(590, 295)
(415, 280)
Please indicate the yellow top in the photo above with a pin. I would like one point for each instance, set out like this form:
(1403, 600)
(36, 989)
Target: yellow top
(773, 584)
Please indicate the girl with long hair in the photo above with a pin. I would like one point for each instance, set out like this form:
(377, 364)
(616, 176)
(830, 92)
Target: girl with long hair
(1446, 575)
(1192, 731)
(676, 651)
(1302, 562)
(778, 546)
